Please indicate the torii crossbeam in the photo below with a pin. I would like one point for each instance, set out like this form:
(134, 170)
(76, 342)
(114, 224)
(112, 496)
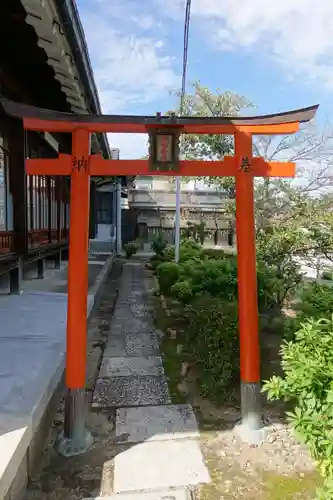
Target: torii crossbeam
(164, 133)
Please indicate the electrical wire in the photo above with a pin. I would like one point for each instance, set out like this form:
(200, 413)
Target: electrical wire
(185, 54)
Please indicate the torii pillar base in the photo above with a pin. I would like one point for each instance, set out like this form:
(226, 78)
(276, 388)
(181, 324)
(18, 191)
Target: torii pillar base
(251, 428)
(75, 438)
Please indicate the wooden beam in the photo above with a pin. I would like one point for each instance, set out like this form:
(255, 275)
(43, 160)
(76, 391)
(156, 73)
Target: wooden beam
(98, 166)
(46, 166)
(141, 128)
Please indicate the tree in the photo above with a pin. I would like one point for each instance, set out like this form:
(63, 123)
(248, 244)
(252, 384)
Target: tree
(312, 150)
(203, 102)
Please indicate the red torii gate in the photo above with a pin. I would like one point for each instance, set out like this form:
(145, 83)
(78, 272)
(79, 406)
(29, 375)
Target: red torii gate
(164, 133)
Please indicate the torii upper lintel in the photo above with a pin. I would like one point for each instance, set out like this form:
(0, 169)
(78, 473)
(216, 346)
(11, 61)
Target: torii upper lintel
(39, 119)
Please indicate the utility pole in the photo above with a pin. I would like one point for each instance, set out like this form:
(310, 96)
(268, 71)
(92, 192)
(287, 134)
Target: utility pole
(181, 111)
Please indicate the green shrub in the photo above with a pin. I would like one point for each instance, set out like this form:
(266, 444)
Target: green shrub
(217, 277)
(327, 275)
(280, 275)
(182, 291)
(159, 244)
(190, 243)
(316, 301)
(167, 275)
(169, 253)
(186, 253)
(130, 249)
(214, 253)
(307, 362)
(212, 338)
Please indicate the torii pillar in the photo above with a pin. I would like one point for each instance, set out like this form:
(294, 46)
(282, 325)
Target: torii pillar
(164, 133)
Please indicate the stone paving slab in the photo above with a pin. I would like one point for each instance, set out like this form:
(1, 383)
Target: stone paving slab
(127, 367)
(115, 347)
(131, 326)
(141, 310)
(130, 391)
(167, 494)
(157, 465)
(121, 314)
(142, 344)
(139, 345)
(156, 423)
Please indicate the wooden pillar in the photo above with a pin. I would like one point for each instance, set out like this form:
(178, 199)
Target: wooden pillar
(247, 288)
(58, 189)
(76, 438)
(18, 185)
(48, 197)
(119, 243)
(92, 220)
(58, 198)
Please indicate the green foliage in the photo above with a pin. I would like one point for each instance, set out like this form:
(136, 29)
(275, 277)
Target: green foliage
(307, 362)
(216, 277)
(316, 301)
(202, 232)
(159, 244)
(169, 253)
(327, 275)
(182, 291)
(212, 338)
(130, 249)
(189, 250)
(214, 253)
(278, 273)
(167, 274)
(202, 102)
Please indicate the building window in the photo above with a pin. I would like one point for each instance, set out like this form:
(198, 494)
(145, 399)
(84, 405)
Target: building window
(104, 207)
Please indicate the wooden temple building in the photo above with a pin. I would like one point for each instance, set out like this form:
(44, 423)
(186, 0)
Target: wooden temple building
(44, 62)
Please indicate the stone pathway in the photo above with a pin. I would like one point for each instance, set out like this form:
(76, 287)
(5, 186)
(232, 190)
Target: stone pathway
(159, 456)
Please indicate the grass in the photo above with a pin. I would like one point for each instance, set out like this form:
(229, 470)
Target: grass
(301, 487)
(230, 482)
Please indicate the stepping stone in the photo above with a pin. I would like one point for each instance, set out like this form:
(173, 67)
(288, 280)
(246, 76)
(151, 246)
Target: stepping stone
(141, 310)
(156, 423)
(126, 367)
(122, 313)
(157, 465)
(130, 391)
(115, 347)
(131, 326)
(168, 494)
(141, 344)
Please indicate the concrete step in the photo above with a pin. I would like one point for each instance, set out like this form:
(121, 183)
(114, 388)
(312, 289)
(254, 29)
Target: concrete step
(167, 494)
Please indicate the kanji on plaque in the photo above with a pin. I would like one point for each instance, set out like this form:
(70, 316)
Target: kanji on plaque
(164, 148)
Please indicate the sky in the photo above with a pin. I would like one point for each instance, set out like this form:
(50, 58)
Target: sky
(278, 54)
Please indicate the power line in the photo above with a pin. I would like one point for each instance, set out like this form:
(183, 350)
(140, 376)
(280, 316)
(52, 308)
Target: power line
(185, 53)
